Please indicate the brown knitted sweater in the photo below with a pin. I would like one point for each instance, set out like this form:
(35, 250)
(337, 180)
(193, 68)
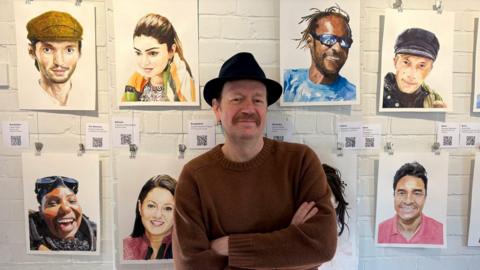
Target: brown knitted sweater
(253, 202)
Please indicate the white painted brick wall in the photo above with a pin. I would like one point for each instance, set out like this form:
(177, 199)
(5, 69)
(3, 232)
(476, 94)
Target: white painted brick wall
(226, 27)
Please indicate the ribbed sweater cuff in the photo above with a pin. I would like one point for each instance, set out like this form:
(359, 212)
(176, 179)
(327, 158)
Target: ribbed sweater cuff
(240, 251)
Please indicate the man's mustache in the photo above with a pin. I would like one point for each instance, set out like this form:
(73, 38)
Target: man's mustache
(247, 117)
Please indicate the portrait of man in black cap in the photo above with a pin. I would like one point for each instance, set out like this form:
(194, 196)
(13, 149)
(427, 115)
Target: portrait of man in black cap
(416, 50)
(56, 51)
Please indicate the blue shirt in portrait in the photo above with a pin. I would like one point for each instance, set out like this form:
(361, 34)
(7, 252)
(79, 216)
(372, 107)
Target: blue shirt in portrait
(299, 88)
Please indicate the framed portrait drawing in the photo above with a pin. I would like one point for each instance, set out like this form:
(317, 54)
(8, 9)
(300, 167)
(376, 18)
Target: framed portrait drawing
(412, 200)
(474, 226)
(341, 174)
(320, 52)
(144, 206)
(156, 53)
(417, 60)
(476, 90)
(56, 55)
(62, 204)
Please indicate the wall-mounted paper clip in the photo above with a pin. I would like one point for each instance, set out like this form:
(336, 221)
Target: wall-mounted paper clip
(38, 148)
(438, 6)
(339, 149)
(181, 150)
(133, 150)
(436, 148)
(389, 148)
(398, 5)
(81, 149)
(28, 2)
(78, 2)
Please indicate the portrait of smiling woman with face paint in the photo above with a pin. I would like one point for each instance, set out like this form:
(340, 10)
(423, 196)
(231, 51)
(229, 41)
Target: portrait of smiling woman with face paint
(60, 224)
(151, 237)
(162, 74)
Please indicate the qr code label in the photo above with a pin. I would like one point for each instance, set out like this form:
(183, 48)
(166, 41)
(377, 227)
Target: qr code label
(447, 140)
(470, 140)
(202, 140)
(278, 138)
(97, 142)
(369, 142)
(15, 140)
(350, 142)
(125, 139)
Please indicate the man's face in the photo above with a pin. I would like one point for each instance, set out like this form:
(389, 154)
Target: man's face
(56, 60)
(329, 59)
(61, 212)
(410, 197)
(242, 109)
(411, 71)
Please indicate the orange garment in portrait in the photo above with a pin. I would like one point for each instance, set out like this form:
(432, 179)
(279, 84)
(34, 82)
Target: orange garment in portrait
(181, 86)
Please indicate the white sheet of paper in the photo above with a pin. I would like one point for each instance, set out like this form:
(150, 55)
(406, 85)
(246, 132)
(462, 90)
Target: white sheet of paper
(350, 134)
(3, 75)
(85, 169)
(371, 136)
(474, 226)
(201, 134)
(448, 135)
(280, 128)
(346, 255)
(16, 134)
(97, 136)
(125, 131)
(469, 134)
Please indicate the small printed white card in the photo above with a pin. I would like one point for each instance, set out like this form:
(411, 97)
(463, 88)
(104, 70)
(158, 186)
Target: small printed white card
(469, 134)
(97, 136)
(201, 134)
(16, 134)
(280, 129)
(371, 136)
(125, 131)
(448, 135)
(350, 134)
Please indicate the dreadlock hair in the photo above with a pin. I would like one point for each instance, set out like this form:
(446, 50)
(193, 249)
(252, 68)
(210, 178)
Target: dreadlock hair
(334, 179)
(317, 14)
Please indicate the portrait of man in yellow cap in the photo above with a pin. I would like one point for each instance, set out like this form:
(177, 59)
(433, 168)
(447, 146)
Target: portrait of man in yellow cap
(57, 65)
(55, 45)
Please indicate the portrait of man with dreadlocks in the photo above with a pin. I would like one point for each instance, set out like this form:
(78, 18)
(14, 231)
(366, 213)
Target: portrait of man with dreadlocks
(328, 37)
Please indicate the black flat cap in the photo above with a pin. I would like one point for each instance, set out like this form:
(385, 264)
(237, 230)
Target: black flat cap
(419, 42)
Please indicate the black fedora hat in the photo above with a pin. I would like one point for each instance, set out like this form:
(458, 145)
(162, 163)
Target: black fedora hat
(241, 66)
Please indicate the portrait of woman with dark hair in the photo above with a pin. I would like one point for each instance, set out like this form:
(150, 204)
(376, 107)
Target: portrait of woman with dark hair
(162, 72)
(337, 186)
(151, 237)
(59, 224)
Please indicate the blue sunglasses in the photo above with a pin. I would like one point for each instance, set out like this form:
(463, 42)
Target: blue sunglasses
(330, 40)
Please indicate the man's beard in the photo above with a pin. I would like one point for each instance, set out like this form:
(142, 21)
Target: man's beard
(320, 65)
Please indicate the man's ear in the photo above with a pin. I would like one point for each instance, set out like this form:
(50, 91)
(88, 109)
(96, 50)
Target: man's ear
(216, 108)
(31, 51)
(310, 41)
